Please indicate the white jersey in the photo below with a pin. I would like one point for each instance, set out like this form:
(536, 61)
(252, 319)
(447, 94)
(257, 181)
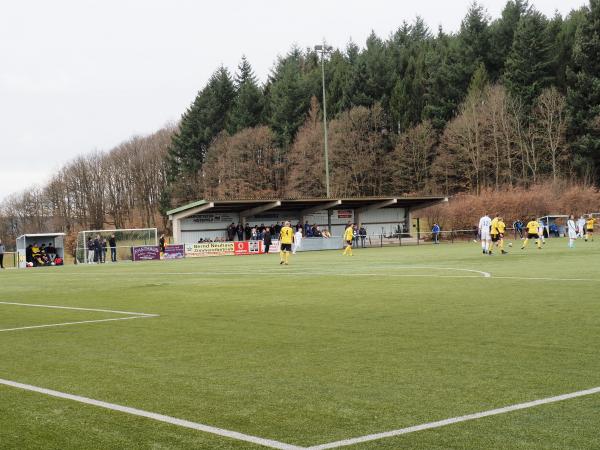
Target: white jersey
(485, 224)
(298, 237)
(581, 226)
(571, 229)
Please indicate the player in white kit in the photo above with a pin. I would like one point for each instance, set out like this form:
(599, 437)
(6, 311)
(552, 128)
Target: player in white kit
(297, 241)
(485, 224)
(581, 227)
(572, 230)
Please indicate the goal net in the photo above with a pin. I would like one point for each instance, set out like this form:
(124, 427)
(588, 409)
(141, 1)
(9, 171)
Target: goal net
(124, 240)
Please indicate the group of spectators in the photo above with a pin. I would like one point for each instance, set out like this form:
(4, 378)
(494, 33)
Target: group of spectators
(42, 255)
(97, 249)
(257, 232)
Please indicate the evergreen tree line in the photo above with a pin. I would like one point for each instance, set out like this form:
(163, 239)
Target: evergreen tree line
(511, 101)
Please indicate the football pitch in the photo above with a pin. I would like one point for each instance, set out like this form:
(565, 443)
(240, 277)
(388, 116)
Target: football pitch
(429, 347)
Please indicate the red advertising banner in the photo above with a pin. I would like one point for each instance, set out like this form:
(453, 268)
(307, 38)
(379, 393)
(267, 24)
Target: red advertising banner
(248, 248)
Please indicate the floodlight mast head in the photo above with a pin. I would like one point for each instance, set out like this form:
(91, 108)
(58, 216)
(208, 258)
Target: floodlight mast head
(323, 48)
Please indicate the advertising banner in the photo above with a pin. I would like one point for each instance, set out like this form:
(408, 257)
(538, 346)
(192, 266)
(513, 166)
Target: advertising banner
(345, 214)
(145, 253)
(275, 246)
(209, 249)
(176, 251)
(248, 248)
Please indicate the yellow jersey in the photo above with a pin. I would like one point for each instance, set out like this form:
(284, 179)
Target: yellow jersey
(349, 234)
(533, 226)
(501, 227)
(286, 235)
(494, 226)
(589, 224)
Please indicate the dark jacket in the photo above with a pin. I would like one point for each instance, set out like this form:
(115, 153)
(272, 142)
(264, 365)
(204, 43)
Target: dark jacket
(267, 239)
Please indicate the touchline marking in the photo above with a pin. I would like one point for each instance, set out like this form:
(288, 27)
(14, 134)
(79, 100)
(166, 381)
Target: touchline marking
(443, 423)
(132, 315)
(154, 416)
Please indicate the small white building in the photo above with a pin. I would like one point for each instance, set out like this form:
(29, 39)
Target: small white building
(209, 219)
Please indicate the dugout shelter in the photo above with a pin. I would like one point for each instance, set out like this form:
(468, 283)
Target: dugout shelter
(57, 240)
(209, 219)
(557, 222)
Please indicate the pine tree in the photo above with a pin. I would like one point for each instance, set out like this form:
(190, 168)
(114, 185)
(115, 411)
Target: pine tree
(444, 79)
(407, 98)
(201, 122)
(289, 97)
(474, 41)
(502, 32)
(248, 106)
(584, 94)
(529, 65)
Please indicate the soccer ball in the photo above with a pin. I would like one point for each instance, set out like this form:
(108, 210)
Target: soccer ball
(510, 244)
(29, 264)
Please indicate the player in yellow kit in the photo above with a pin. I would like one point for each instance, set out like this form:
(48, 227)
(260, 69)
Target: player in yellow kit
(348, 237)
(286, 239)
(532, 233)
(589, 228)
(497, 232)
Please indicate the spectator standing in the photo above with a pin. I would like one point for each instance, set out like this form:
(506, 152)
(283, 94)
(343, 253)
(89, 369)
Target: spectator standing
(90, 250)
(1, 255)
(435, 232)
(112, 242)
(103, 253)
(240, 232)
(231, 230)
(363, 235)
(248, 232)
(267, 240)
(97, 249)
(297, 240)
(306, 228)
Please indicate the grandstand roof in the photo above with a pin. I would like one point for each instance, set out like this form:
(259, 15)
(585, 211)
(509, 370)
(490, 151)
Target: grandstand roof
(303, 204)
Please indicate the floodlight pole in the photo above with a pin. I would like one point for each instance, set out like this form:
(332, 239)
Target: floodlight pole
(323, 48)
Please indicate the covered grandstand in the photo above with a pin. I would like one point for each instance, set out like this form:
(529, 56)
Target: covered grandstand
(208, 219)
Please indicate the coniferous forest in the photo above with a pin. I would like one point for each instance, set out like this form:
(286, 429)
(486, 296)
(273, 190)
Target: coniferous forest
(507, 102)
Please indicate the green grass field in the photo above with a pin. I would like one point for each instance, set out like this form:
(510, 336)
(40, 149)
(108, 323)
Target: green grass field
(326, 349)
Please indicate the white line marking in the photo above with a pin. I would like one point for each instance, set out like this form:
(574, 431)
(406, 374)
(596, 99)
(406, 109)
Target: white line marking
(63, 324)
(133, 315)
(77, 309)
(443, 423)
(545, 279)
(154, 416)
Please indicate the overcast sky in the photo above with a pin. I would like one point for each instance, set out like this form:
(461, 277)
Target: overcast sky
(83, 75)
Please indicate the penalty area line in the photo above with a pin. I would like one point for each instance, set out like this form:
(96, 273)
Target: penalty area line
(453, 420)
(154, 416)
(64, 324)
(131, 316)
